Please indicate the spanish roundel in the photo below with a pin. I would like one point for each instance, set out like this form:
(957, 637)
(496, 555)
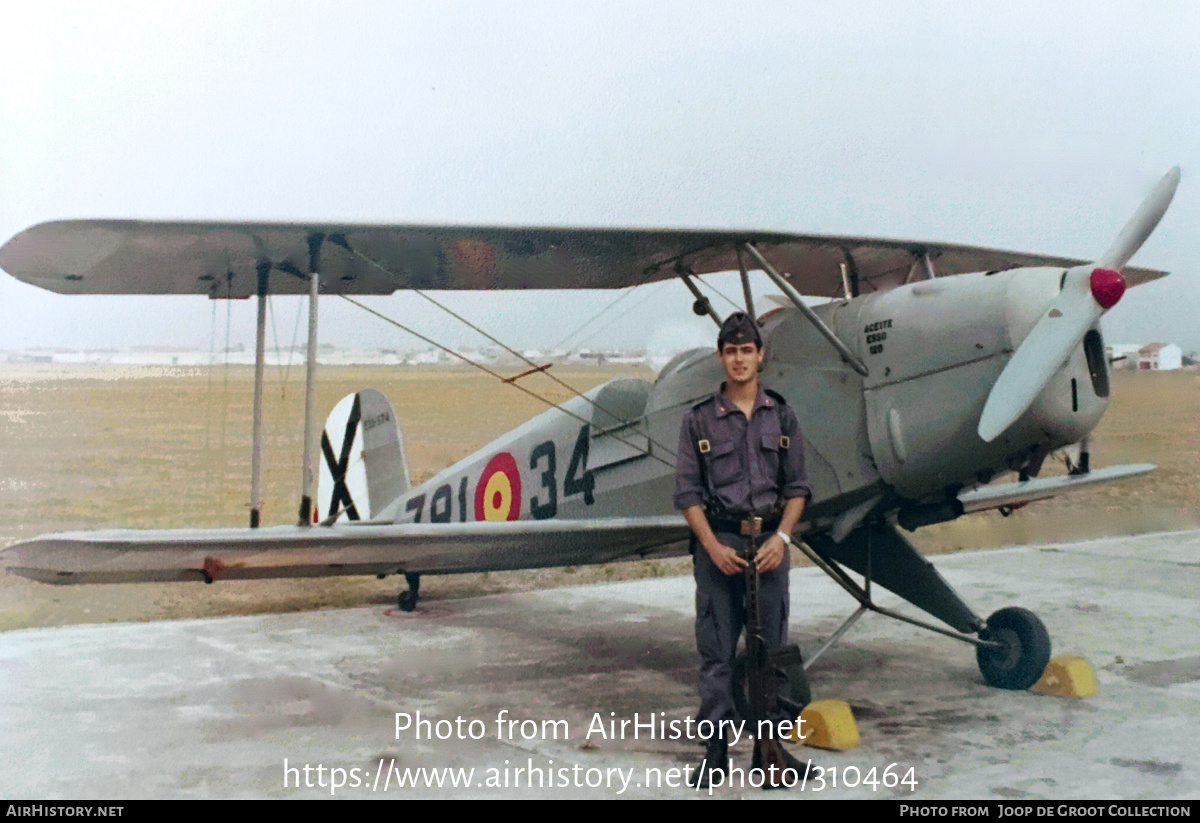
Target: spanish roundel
(498, 493)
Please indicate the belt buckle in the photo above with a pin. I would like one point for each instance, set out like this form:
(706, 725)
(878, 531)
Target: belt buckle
(752, 526)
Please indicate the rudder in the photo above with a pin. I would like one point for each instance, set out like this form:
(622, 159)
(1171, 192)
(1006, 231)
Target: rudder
(363, 462)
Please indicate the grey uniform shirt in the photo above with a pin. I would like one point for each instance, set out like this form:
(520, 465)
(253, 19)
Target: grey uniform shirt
(744, 457)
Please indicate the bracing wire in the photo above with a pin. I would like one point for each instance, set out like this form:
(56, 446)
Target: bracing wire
(285, 366)
(507, 348)
(501, 377)
(720, 294)
(624, 293)
(615, 319)
(295, 337)
(527, 361)
(279, 363)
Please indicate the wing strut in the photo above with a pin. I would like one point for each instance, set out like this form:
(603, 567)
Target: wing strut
(923, 262)
(851, 269)
(310, 380)
(702, 305)
(817, 322)
(260, 349)
(746, 285)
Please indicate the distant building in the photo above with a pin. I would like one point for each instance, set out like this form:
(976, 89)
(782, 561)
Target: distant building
(429, 357)
(1147, 357)
(1159, 357)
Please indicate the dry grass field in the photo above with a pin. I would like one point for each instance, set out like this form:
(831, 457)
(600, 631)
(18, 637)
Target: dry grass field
(143, 447)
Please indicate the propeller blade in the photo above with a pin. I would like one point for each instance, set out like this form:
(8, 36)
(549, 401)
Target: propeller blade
(1142, 224)
(1040, 354)
(1087, 292)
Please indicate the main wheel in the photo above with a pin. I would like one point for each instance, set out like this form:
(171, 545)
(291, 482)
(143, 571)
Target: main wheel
(1024, 654)
(407, 601)
(798, 690)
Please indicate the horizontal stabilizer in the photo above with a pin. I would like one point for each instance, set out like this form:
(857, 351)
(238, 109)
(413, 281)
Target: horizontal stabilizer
(1015, 494)
(129, 556)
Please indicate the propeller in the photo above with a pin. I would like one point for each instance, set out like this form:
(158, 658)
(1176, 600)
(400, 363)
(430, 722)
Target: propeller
(1087, 292)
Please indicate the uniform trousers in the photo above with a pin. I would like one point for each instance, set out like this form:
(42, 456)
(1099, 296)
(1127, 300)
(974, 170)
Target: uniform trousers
(721, 616)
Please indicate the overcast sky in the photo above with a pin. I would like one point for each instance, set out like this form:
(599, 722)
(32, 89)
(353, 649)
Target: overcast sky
(1031, 126)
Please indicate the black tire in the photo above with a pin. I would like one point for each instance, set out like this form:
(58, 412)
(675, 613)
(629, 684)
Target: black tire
(407, 601)
(1026, 651)
(798, 688)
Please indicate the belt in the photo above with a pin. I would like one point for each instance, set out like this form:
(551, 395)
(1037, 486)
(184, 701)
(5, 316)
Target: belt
(749, 526)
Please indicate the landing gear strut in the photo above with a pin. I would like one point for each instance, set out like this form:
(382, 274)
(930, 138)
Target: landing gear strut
(407, 601)
(1012, 646)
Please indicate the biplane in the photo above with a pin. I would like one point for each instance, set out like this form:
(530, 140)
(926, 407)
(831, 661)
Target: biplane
(932, 370)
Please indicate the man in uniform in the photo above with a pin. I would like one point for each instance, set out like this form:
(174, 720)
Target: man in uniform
(741, 485)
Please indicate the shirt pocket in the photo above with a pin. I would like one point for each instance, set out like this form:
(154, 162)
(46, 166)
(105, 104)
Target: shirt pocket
(726, 469)
(769, 453)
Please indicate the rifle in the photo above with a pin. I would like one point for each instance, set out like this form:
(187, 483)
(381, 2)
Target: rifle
(762, 683)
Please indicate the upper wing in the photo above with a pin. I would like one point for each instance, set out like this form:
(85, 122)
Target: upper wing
(128, 556)
(221, 259)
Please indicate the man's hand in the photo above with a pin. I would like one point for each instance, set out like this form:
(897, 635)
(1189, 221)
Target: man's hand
(725, 558)
(770, 554)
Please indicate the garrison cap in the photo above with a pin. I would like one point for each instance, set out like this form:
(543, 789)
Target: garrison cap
(739, 328)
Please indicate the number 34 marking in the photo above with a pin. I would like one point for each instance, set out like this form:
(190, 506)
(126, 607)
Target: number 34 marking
(579, 479)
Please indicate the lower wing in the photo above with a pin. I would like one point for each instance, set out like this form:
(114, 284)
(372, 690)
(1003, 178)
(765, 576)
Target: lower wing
(1014, 495)
(128, 556)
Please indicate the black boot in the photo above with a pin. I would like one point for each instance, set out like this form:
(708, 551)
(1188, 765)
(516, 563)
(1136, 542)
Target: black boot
(780, 769)
(716, 759)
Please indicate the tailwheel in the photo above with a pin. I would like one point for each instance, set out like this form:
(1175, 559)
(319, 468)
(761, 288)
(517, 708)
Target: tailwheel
(407, 601)
(795, 698)
(1024, 652)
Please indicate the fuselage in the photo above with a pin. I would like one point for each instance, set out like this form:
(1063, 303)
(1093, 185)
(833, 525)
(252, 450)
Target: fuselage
(905, 434)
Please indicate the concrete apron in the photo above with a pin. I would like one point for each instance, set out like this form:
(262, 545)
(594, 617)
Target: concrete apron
(530, 691)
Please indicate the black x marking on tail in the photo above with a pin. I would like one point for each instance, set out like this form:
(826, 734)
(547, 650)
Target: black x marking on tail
(338, 466)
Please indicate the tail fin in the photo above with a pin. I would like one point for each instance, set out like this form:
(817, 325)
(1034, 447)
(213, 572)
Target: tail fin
(363, 466)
